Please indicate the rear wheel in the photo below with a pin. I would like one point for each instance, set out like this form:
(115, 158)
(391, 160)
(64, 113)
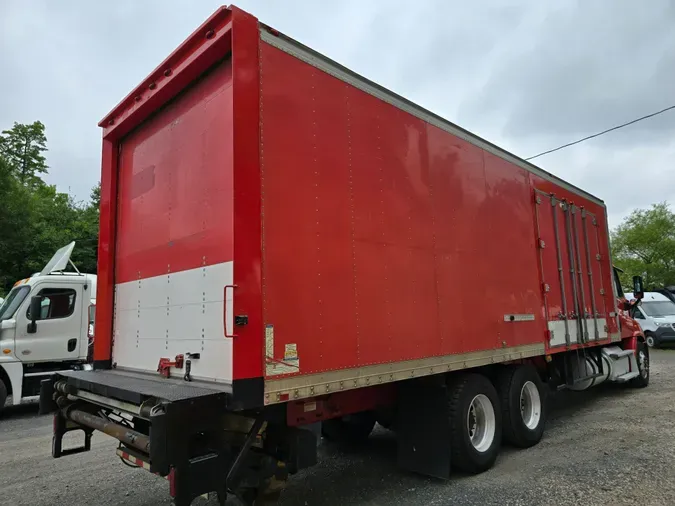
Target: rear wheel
(349, 428)
(642, 358)
(475, 423)
(523, 399)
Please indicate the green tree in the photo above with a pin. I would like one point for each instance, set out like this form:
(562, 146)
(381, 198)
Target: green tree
(22, 146)
(95, 197)
(14, 222)
(644, 245)
(35, 219)
(86, 232)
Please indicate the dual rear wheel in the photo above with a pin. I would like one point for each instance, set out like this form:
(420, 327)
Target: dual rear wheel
(483, 414)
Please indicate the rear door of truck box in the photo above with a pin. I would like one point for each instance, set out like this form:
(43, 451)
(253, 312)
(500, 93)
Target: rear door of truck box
(174, 237)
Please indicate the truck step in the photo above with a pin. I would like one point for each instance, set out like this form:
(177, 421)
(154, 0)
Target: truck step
(619, 354)
(628, 376)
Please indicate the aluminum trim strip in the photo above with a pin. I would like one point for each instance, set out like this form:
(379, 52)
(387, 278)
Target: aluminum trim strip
(519, 317)
(300, 387)
(45, 373)
(321, 62)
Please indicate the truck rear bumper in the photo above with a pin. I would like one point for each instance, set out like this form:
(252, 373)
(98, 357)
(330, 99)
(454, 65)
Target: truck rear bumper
(137, 388)
(194, 434)
(169, 415)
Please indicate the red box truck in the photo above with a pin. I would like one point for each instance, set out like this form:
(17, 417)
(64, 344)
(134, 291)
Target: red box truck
(285, 245)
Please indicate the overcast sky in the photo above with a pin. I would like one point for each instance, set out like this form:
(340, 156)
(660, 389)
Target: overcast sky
(525, 74)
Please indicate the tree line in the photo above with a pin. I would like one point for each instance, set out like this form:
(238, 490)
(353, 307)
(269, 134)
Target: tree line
(644, 245)
(35, 218)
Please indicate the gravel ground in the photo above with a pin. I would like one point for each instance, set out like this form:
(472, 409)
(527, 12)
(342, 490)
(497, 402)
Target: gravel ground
(609, 445)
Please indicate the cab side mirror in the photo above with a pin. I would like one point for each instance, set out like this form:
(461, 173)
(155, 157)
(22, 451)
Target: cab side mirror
(638, 288)
(35, 310)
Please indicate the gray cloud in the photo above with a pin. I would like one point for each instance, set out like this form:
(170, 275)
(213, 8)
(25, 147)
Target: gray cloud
(585, 68)
(527, 75)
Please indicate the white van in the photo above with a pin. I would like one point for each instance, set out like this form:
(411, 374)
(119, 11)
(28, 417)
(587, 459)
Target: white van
(656, 315)
(46, 325)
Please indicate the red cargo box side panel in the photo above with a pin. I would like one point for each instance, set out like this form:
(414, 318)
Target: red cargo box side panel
(385, 239)
(174, 252)
(308, 270)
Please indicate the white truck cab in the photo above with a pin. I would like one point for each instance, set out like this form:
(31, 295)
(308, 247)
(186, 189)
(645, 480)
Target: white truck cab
(656, 315)
(56, 338)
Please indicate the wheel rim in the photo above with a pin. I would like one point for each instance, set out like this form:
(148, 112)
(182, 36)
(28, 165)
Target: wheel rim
(650, 341)
(530, 405)
(643, 363)
(481, 423)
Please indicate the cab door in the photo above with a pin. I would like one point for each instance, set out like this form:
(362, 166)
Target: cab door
(59, 325)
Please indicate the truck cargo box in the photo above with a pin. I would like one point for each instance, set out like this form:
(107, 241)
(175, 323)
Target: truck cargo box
(291, 228)
(288, 249)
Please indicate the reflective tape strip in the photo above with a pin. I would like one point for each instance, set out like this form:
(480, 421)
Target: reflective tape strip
(133, 460)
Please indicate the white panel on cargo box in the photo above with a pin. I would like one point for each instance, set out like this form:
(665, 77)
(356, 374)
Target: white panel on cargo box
(197, 285)
(557, 329)
(126, 296)
(172, 314)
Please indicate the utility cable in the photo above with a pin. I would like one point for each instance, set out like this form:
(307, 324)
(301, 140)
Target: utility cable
(602, 133)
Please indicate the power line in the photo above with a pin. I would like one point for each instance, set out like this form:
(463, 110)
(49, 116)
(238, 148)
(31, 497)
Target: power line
(602, 133)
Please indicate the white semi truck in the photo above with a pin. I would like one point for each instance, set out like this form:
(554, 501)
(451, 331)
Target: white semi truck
(46, 326)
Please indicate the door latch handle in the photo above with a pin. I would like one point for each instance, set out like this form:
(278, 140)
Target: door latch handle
(227, 287)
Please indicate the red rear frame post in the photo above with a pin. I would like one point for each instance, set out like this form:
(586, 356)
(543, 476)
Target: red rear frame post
(247, 150)
(106, 257)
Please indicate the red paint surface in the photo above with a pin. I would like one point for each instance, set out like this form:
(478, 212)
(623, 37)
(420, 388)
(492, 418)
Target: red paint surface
(400, 241)
(339, 404)
(387, 239)
(106, 254)
(171, 77)
(363, 234)
(175, 184)
(248, 346)
(210, 42)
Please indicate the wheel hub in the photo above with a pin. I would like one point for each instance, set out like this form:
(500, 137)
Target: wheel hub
(530, 405)
(643, 363)
(481, 423)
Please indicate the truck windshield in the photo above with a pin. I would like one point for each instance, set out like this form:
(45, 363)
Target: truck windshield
(13, 301)
(658, 309)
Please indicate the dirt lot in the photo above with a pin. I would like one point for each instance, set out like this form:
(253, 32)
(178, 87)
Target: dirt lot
(606, 446)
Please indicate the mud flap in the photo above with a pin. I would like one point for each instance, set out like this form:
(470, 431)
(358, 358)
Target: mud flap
(422, 428)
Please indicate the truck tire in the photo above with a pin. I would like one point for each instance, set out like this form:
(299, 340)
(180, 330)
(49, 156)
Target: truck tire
(642, 357)
(475, 423)
(349, 428)
(3, 394)
(523, 400)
